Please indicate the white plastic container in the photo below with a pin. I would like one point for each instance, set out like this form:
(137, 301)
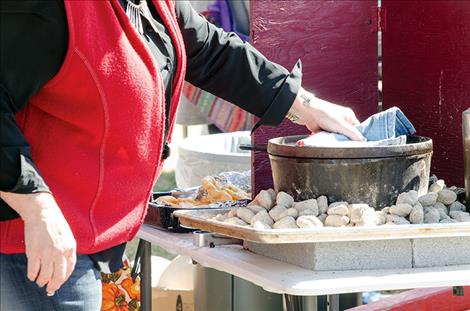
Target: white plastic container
(206, 155)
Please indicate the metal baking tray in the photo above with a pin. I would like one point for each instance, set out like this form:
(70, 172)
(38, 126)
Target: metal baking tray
(199, 219)
(162, 216)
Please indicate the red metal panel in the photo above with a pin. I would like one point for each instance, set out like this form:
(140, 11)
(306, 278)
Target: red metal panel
(426, 72)
(424, 299)
(338, 47)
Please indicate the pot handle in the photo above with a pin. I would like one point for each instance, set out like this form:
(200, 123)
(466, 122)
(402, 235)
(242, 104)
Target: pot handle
(255, 147)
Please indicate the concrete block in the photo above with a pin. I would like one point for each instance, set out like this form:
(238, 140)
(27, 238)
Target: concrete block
(356, 255)
(441, 252)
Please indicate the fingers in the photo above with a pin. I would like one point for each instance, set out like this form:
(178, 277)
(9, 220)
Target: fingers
(33, 268)
(58, 276)
(45, 274)
(351, 131)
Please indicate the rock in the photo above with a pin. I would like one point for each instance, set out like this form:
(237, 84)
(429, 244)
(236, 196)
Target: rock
(428, 199)
(460, 216)
(287, 222)
(232, 213)
(284, 199)
(307, 204)
(289, 212)
(356, 211)
(401, 209)
(255, 208)
(380, 218)
(272, 193)
(441, 206)
(417, 214)
(336, 220)
(386, 210)
(322, 217)
(261, 225)
(432, 217)
(309, 222)
(262, 216)
(437, 186)
(308, 212)
(446, 196)
(264, 199)
(338, 208)
(322, 202)
(457, 206)
(410, 197)
(221, 217)
(448, 221)
(276, 212)
(245, 214)
(235, 221)
(396, 220)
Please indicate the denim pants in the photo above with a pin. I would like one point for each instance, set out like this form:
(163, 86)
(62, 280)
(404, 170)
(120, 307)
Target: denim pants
(81, 292)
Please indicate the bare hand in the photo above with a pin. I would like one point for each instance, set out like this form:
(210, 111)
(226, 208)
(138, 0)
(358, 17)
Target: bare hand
(50, 244)
(317, 114)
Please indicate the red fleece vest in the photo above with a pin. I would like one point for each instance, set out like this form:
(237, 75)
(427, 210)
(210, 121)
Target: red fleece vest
(96, 129)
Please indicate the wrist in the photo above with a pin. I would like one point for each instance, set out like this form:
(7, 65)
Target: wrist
(31, 205)
(301, 108)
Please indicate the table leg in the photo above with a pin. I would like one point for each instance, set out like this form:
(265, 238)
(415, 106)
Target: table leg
(333, 302)
(301, 303)
(146, 277)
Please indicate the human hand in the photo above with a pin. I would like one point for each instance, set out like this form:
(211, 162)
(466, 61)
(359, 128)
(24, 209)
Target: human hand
(317, 114)
(50, 244)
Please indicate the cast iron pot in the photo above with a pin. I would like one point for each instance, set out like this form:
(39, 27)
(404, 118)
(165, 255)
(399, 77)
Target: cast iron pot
(373, 175)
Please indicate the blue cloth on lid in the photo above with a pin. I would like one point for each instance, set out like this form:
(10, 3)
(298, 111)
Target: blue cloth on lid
(389, 127)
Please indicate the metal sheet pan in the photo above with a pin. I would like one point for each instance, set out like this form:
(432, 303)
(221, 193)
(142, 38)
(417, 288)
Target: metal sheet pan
(201, 219)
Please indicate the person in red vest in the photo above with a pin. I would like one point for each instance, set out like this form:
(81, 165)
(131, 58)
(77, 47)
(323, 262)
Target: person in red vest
(88, 94)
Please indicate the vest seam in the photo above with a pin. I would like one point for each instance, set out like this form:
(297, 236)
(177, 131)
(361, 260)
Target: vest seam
(104, 138)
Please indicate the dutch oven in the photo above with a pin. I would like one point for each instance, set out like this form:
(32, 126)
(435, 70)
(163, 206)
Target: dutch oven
(373, 175)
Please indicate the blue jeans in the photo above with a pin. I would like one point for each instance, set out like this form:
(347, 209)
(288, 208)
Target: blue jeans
(81, 292)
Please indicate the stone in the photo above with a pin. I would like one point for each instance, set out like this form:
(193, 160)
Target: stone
(460, 216)
(338, 208)
(255, 208)
(262, 216)
(264, 199)
(232, 213)
(401, 209)
(447, 221)
(245, 214)
(289, 212)
(287, 222)
(235, 221)
(356, 211)
(432, 217)
(417, 214)
(428, 199)
(308, 212)
(307, 204)
(259, 225)
(446, 196)
(336, 221)
(322, 202)
(276, 212)
(340, 256)
(437, 186)
(322, 217)
(396, 220)
(380, 218)
(284, 199)
(410, 197)
(457, 206)
(309, 222)
(441, 206)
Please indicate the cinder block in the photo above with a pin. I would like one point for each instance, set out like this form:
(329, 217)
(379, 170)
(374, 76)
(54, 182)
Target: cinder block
(355, 255)
(441, 252)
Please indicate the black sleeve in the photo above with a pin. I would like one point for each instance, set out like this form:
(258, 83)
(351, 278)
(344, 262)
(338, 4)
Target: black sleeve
(220, 63)
(33, 43)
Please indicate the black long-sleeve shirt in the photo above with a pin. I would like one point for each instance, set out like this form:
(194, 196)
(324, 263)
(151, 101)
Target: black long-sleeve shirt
(33, 44)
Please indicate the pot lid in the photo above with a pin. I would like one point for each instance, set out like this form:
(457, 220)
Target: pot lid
(286, 147)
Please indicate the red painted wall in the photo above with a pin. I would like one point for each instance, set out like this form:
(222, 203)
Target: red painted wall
(426, 72)
(335, 41)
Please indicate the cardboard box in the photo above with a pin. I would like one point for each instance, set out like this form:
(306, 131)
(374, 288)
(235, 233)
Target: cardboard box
(172, 299)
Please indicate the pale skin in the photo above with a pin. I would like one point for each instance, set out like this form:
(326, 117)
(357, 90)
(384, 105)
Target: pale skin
(50, 244)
